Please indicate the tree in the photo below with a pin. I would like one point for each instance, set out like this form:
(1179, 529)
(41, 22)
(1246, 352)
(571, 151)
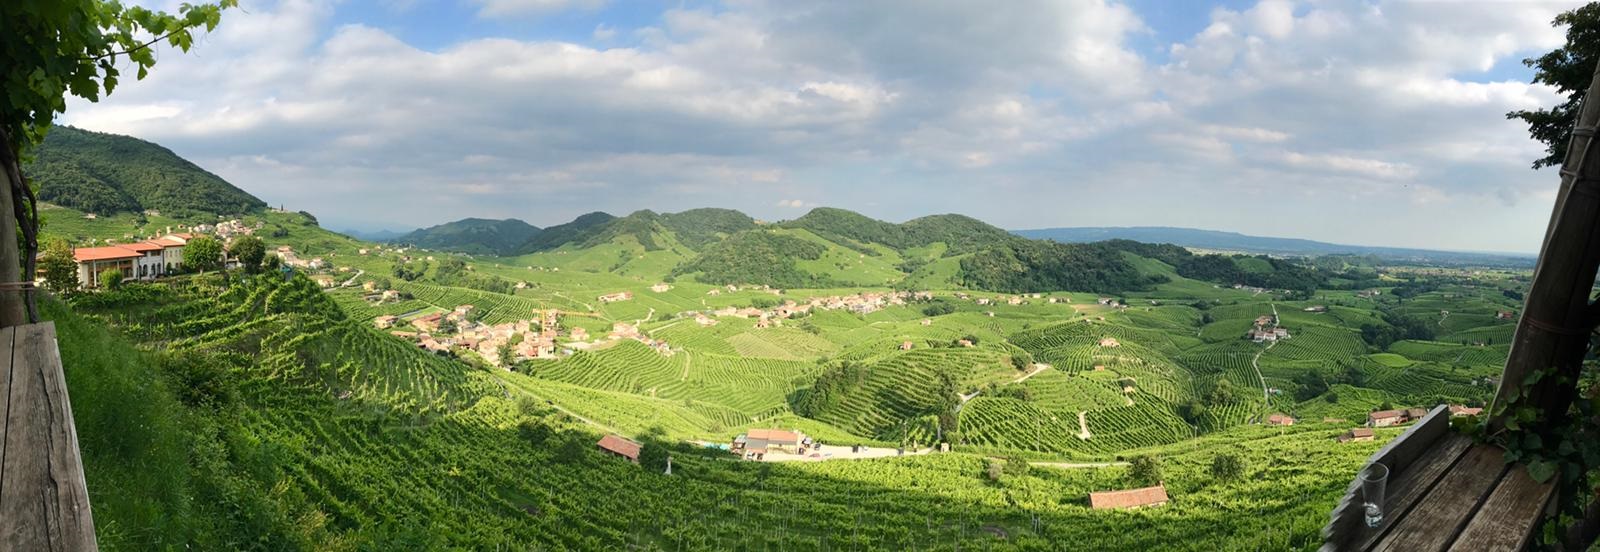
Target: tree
(507, 354)
(1144, 471)
(653, 455)
(250, 252)
(54, 48)
(1568, 69)
(60, 269)
(203, 253)
(1221, 393)
(1226, 467)
(111, 279)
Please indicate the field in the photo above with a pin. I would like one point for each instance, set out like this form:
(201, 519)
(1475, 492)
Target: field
(328, 434)
(323, 432)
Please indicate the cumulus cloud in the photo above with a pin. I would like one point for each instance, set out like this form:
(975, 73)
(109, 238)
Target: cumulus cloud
(1030, 106)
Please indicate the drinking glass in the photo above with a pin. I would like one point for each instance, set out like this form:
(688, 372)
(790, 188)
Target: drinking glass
(1374, 481)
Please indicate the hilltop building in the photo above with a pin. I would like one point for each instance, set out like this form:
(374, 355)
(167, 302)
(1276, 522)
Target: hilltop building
(1279, 419)
(756, 443)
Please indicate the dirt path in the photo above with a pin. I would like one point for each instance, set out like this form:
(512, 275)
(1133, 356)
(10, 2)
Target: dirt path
(1442, 316)
(1083, 426)
(559, 408)
(1077, 465)
(352, 280)
(687, 360)
(1037, 367)
(1256, 364)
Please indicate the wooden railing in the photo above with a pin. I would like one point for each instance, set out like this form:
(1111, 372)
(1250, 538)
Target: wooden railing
(44, 504)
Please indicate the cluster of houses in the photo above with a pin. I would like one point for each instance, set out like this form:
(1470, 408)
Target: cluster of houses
(1266, 329)
(1395, 417)
(227, 230)
(289, 257)
(528, 339)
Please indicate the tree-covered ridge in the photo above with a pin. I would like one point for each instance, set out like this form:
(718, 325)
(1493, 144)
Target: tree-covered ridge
(961, 233)
(1038, 266)
(579, 229)
(473, 235)
(107, 173)
(697, 228)
(757, 257)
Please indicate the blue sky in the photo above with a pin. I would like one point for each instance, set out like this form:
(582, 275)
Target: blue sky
(1369, 122)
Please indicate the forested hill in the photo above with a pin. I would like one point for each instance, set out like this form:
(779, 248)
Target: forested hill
(473, 235)
(107, 173)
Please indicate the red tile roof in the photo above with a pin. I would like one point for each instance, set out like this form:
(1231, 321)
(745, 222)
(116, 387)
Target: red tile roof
(620, 446)
(1131, 498)
(142, 247)
(85, 254)
(167, 242)
(1386, 414)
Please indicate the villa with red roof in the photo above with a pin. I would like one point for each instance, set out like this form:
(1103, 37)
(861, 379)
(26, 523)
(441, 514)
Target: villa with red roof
(145, 260)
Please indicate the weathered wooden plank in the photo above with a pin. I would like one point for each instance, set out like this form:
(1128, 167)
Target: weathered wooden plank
(1408, 487)
(5, 393)
(44, 503)
(1434, 522)
(1506, 520)
(1347, 529)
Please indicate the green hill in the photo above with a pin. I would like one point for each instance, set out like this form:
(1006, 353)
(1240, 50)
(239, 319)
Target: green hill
(961, 234)
(577, 231)
(473, 235)
(107, 173)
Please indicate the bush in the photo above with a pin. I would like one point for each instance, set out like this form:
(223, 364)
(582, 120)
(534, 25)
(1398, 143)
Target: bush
(1227, 467)
(1144, 471)
(111, 279)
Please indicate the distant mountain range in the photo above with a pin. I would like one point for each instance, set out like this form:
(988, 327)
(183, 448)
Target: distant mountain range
(106, 173)
(472, 235)
(374, 235)
(1233, 241)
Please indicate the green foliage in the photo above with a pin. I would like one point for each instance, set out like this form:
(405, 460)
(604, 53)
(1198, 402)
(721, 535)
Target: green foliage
(65, 47)
(454, 272)
(106, 173)
(59, 267)
(1036, 266)
(409, 271)
(962, 234)
(1569, 70)
(1277, 273)
(1227, 467)
(757, 257)
(202, 254)
(580, 229)
(473, 235)
(111, 279)
(249, 251)
(939, 307)
(1144, 470)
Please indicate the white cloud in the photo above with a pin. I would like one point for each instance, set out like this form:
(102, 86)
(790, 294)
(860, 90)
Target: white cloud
(735, 104)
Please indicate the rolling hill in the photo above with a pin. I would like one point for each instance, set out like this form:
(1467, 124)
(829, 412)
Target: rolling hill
(106, 173)
(472, 235)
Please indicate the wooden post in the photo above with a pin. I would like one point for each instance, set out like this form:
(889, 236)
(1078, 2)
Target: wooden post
(1557, 319)
(12, 299)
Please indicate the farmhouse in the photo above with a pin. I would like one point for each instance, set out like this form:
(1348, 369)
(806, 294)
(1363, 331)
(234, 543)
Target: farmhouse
(427, 323)
(1386, 418)
(1357, 434)
(757, 442)
(1457, 411)
(964, 342)
(905, 345)
(1131, 498)
(615, 297)
(613, 444)
(579, 334)
(1110, 342)
(385, 321)
(1316, 308)
(660, 288)
(927, 321)
(1505, 315)
(1280, 419)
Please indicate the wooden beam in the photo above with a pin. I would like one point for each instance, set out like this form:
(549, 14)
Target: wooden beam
(1503, 523)
(1435, 522)
(1556, 321)
(44, 503)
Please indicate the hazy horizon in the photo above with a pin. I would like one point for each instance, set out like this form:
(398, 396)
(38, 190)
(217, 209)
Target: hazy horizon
(1374, 124)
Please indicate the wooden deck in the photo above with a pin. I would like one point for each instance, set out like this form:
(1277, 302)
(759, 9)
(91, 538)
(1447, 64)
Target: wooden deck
(44, 504)
(1445, 493)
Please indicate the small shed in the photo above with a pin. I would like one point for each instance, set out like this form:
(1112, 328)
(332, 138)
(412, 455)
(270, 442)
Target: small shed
(620, 446)
(1131, 498)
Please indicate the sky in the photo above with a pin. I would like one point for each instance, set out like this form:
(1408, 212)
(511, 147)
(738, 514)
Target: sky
(1363, 122)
